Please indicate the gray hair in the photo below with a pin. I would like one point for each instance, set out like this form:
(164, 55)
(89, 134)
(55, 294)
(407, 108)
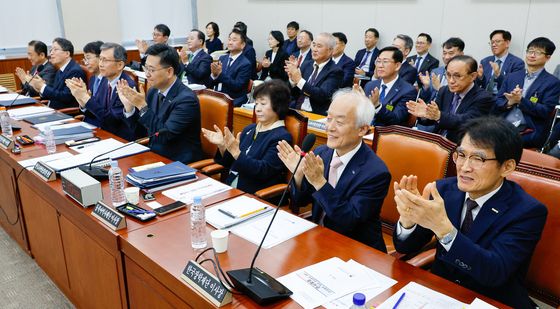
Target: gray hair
(331, 41)
(362, 106)
(407, 41)
(119, 53)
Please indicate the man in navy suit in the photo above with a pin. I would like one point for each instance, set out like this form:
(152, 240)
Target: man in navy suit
(365, 57)
(160, 35)
(487, 227)
(91, 61)
(37, 55)
(527, 98)
(493, 69)
(195, 60)
(290, 44)
(104, 107)
(344, 179)
(389, 93)
(345, 63)
(407, 72)
(423, 61)
(248, 50)
(315, 82)
(457, 102)
(58, 94)
(232, 73)
(170, 108)
(303, 53)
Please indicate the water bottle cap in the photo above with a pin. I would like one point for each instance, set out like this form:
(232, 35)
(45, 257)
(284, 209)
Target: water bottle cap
(359, 299)
(114, 163)
(197, 200)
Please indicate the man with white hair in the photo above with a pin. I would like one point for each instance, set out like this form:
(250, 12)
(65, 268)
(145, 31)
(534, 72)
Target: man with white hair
(315, 81)
(346, 181)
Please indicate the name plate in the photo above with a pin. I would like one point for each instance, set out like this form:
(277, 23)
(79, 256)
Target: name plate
(109, 216)
(6, 142)
(206, 283)
(44, 171)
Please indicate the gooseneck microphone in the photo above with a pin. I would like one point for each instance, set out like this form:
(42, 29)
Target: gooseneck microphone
(255, 283)
(17, 96)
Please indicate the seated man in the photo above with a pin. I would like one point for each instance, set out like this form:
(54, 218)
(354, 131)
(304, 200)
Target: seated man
(487, 227)
(407, 72)
(196, 61)
(91, 61)
(315, 82)
(390, 93)
(423, 61)
(365, 57)
(457, 102)
(303, 43)
(37, 55)
(345, 63)
(160, 35)
(58, 94)
(170, 107)
(527, 98)
(103, 107)
(232, 73)
(345, 179)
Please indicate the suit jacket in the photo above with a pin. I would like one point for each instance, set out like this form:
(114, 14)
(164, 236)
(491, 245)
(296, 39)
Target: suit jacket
(428, 64)
(352, 208)
(198, 70)
(58, 94)
(359, 57)
(308, 57)
(276, 69)
(327, 82)
(258, 165)
(393, 110)
(510, 65)
(408, 73)
(46, 71)
(545, 91)
(234, 79)
(290, 47)
(251, 55)
(179, 113)
(346, 64)
(214, 45)
(476, 103)
(493, 257)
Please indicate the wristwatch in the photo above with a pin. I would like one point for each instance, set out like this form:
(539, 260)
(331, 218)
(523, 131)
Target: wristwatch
(448, 238)
(143, 110)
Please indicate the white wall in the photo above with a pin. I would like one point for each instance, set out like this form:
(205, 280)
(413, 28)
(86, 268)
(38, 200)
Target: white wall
(472, 20)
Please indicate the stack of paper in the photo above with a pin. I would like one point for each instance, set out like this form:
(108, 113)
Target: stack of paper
(13, 99)
(419, 296)
(235, 211)
(30, 111)
(160, 176)
(62, 135)
(36, 119)
(204, 188)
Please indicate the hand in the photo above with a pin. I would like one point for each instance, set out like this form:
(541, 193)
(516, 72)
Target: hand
(265, 62)
(436, 84)
(313, 169)
(514, 97)
(79, 90)
(412, 63)
(408, 183)
(215, 137)
(183, 54)
(358, 89)
(232, 142)
(359, 71)
(433, 112)
(480, 71)
(293, 71)
(37, 83)
(374, 97)
(23, 76)
(216, 68)
(290, 157)
(130, 97)
(424, 79)
(417, 109)
(495, 68)
(141, 45)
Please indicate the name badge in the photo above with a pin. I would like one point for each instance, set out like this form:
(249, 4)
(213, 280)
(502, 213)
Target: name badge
(109, 216)
(206, 283)
(44, 171)
(6, 142)
(534, 99)
(389, 107)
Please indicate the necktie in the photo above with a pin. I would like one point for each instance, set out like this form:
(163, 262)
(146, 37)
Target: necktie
(190, 57)
(96, 85)
(455, 103)
(364, 60)
(109, 93)
(382, 94)
(299, 60)
(418, 60)
(492, 86)
(468, 221)
(314, 75)
(224, 70)
(333, 171)
(161, 97)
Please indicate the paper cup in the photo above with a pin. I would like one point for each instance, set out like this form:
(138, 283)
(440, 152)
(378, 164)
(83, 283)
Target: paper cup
(132, 195)
(220, 240)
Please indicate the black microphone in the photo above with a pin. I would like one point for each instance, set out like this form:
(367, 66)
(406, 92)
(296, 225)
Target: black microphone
(100, 173)
(255, 283)
(17, 96)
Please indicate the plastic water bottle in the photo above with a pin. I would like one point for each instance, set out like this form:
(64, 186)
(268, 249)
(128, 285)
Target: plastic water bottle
(50, 144)
(5, 121)
(359, 301)
(116, 182)
(198, 224)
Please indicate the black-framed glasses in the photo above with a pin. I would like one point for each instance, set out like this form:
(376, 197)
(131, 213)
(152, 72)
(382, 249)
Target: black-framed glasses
(475, 161)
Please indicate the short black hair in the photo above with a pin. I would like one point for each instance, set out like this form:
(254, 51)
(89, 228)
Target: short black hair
(308, 34)
(374, 31)
(200, 35)
(278, 36)
(494, 133)
(39, 47)
(427, 36)
(65, 45)
(278, 93)
(241, 34)
(544, 43)
(397, 53)
(167, 55)
(505, 34)
(93, 48)
(241, 26)
(472, 65)
(454, 42)
(163, 29)
(215, 27)
(341, 37)
(293, 24)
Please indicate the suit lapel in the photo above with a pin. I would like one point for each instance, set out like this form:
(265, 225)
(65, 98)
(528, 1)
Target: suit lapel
(427, 61)
(352, 169)
(493, 209)
(467, 100)
(324, 72)
(535, 85)
(393, 92)
(454, 207)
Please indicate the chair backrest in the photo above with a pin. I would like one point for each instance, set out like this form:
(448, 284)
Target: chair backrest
(8, 80)
(134, 78)
(543, 278)
(216, 108)
(406, 151)
(296, 124)
(540, 159)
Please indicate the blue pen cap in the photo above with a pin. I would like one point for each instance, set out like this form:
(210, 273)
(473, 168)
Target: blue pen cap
(359, 299)
(197, 200)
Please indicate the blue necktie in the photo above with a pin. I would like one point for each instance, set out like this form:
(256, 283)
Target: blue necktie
(96, 85)
(224, 70)
(382, 94)
(418, 60)
(364, 60)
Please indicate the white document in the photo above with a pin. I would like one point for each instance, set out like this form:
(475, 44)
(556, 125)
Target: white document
(106, 145)
(23, 112)
(285, 227)
(11, 96)
(41, 126)
(218, 217)
(3, 89)
(480, 304)
(204, 188)
(418, 296)
(55, 156)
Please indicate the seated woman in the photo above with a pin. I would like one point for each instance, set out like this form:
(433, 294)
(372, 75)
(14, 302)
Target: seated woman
(252, 157)
(275, 58)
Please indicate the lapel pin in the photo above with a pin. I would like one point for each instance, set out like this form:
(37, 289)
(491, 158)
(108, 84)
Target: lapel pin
(495, 210)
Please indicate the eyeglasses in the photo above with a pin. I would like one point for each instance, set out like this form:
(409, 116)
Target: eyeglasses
(475, 161)
(535, 52)
(495, 42)
(455, 76)
(384, 62)
(421, 43)
(152, 70)
(54, 49)
(88, 60)
(103, 59)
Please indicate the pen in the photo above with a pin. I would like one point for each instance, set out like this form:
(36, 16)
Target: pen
(399, 301)
(252, 212)
(227, 213)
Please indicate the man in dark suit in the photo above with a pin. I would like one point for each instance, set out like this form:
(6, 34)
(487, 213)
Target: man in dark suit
(248, 50)
(232, 73)
(170, 107)
(303, 54)
(493, 69)
(456, 103)
(487, 227)
(423, 61)
(389, 93)
(315, 82)
(91, 61)
(407, 72)
(365, 57)
(160, 35)
(37, 55)
(527, 98)
(58, 94)
(344, 179)
(196, 62)
(290, 44)
(345, 63)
